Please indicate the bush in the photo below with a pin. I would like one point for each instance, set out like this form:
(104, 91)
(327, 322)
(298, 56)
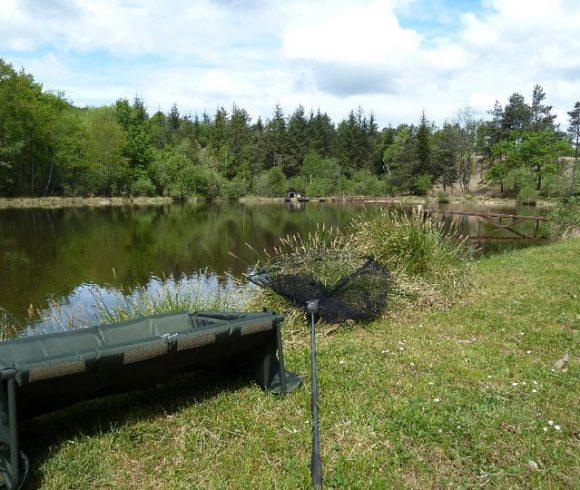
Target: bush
(142, 185)
(235, 188)
(297, 184)
(518, 180)
(323, 168)
(201, 181)
(367, 184)
(422, 184)
(442, 197)
(527, 196)
(427, 259)
(271, 183)
(564, 219)
(319, 186)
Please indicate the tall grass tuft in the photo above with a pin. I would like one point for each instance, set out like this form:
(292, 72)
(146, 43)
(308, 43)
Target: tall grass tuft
(8, 327)
(428, 259)
(413, 243)
(116, 305)
(167, 299)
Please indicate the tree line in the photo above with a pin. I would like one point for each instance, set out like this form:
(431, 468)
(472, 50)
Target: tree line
(48, 146)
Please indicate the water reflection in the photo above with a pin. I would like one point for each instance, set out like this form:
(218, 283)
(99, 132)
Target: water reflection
(68, 254)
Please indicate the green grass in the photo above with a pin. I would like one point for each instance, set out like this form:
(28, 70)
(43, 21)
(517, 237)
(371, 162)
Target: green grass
(455, 397)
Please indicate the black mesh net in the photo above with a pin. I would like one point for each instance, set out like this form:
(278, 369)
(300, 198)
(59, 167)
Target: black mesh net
(360, 293)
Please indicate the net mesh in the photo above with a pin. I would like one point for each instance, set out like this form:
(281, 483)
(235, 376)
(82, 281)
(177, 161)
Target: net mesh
(360, 293)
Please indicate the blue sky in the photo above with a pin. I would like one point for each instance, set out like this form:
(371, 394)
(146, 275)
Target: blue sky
(392, 57)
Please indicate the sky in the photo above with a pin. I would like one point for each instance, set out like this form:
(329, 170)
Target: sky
(394, 58)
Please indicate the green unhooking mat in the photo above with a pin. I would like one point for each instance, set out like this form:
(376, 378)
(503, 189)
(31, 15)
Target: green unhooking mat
(43, 373)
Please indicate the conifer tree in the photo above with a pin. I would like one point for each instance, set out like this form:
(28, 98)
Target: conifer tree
(321, 133)
(173, 118)
(276, 140)
(423, 164)
(298, 142)
(516, 115)
(574, 133)
(541, 117)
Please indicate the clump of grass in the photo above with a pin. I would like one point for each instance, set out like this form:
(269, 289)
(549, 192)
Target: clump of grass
(428, 259)
(312, 254)
(413, 243)
(8, 326)
(123, 304)
(171, 297)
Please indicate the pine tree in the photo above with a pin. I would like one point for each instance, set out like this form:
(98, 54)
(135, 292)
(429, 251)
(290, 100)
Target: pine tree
(423, 164)
(239, 138)
(352, 148)
(173, 119)
(219, 131)
(516, 115)
(541, 117)
(574, 132)
(321, 133)
(445, 155)
(298, 142)
(276, 140)
(139, 110)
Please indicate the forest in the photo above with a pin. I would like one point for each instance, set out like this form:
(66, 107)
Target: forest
(50, 147)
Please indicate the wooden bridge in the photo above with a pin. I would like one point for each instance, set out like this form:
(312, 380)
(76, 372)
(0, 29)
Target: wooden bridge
(501, 222)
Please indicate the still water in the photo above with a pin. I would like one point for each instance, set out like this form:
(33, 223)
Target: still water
(61, 256)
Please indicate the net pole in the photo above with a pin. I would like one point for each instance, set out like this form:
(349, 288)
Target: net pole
(316, 464)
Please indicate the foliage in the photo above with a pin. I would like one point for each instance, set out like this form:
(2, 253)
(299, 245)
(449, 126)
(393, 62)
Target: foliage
(442, 197)
(564, 219)
(271, 183)
(50, 147)
(422, 184)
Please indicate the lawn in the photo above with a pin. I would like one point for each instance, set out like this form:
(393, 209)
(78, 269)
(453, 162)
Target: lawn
(471, 395)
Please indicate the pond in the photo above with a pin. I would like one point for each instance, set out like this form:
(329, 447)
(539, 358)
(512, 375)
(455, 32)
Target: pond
(61, 257)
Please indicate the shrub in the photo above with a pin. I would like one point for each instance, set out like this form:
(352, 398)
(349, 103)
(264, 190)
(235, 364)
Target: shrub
(428, 260)
(271, 183)
(442, 197)
(564, 219)
(325, 168)
(527, 196)
(518, 180)
(422, 184)
(365, 183)
(319, 186)
(201, 181)
(235, 188)
(297, 184)
(142, 185)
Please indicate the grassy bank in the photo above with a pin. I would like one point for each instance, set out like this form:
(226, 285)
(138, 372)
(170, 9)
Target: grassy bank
(63, 202)
(68, 202)
(469, 395)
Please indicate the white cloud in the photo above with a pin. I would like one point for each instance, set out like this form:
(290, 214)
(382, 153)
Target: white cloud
(330, 54)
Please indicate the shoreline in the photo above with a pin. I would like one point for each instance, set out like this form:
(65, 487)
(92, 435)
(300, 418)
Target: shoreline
(101, 202)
